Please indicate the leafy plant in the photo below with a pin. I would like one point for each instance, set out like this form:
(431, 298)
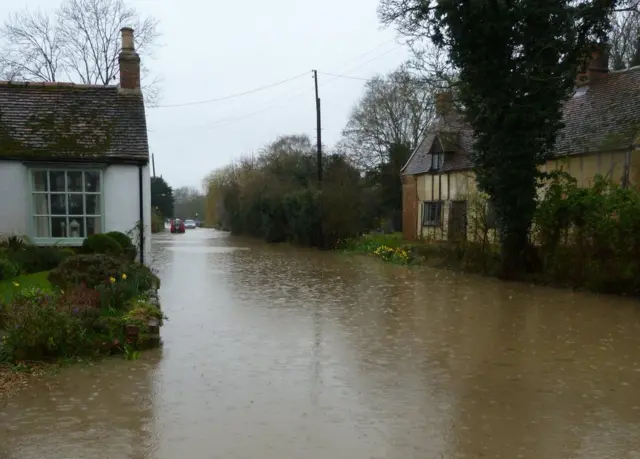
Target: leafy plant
(125, 242)
(37, 330)
(13, 242)
(8, 268)
(102, 243)
(33, 259)
(88, 269)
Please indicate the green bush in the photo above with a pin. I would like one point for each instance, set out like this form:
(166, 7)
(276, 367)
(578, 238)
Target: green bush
(13, 242)
(8, 268)
(125, 242)
(101, 243)
(39, 330)
(88, 269)
(33, 259)
(589, 237)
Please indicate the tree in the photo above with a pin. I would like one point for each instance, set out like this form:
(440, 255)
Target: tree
(517, 64)
(80, 41)
(625, 39)
(385, 180)
(189, 203)
(394, 110)
(162, 197)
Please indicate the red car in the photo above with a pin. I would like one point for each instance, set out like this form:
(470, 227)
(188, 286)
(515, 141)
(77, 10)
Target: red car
(177, 226)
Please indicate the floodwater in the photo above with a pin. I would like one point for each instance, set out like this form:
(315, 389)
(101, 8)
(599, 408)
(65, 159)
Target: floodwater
(282, 353)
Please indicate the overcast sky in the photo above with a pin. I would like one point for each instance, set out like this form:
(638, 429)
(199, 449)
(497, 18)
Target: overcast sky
(213, 49)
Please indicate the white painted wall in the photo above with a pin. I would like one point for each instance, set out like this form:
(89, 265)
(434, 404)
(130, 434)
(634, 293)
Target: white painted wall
(121, 201)
(14, 198)
(120, 194)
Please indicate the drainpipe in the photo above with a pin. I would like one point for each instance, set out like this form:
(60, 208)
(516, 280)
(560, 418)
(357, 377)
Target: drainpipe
(141, 205)
(627, 166)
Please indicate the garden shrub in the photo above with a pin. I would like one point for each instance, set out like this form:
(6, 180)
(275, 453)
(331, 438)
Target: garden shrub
(136, 280)
(33, 259)
(8, 268)
(125, 242)
(13, 242)
(589, 237)
(103, 244)
(39, 330)
(88, 269)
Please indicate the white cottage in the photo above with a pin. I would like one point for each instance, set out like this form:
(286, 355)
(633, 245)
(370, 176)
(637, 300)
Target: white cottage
(74, 159)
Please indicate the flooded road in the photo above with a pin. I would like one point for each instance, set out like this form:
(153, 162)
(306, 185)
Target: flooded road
(282, 353)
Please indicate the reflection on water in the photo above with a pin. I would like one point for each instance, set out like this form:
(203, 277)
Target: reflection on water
(276, 352)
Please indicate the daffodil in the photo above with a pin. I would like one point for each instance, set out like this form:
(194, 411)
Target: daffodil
(124, 276)
(15, 284)
(112, 280)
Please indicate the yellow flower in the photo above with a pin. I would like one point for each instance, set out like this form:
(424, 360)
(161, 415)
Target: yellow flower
(124, 276)
(62, 291)
(15, 284)
(112, 280)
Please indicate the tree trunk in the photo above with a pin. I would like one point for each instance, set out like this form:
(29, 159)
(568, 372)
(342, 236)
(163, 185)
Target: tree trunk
(512, 254)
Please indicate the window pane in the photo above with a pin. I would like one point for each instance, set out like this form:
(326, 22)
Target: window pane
(41, 204)
(76, 227)
(40, 181)
(93, 225)
(59, 204)
(59, 227)
(75, 204)
(93, 204)
(74, 181)
(92, 181)
(41, 226)
(57, 180)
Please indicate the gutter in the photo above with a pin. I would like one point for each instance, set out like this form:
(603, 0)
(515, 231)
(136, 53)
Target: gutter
(141, 222)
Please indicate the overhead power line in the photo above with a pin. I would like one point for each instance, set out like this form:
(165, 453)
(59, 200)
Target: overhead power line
(233, 96)
(275, 103)
(343, 76)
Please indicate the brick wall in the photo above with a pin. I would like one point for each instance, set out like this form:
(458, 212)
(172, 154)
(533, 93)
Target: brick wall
(410, 207)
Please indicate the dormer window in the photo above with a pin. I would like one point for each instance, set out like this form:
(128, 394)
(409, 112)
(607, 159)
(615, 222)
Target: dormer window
(436, 161)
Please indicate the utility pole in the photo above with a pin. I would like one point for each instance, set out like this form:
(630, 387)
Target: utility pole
(153, 164)
(319, 137)
(319, 130)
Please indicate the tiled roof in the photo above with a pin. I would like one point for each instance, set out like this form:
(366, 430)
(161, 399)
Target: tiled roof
(64, 120)
(454, 135)
(602, 117)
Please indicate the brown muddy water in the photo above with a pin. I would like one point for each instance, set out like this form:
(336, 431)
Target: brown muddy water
(282, 353)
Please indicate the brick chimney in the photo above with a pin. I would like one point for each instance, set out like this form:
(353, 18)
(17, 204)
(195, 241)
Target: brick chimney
(444, 103)
(594, 66)
(129, 62)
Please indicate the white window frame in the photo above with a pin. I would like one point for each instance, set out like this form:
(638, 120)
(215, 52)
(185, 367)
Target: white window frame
(66, 241)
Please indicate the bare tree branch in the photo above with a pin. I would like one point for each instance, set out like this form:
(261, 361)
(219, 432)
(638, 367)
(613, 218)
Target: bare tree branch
(394, 110)
(79, 42)
(33, 48)
(625, 39)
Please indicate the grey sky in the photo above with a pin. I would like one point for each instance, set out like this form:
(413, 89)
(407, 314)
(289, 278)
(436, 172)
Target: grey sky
(215, 49)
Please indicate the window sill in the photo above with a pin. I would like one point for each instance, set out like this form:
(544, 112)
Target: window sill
(60, 241)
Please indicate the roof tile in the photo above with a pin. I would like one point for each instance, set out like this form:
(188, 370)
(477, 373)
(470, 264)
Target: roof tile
(65, 120)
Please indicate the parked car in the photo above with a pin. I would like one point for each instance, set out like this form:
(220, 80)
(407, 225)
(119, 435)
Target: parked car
(190, 224)
(177, 226)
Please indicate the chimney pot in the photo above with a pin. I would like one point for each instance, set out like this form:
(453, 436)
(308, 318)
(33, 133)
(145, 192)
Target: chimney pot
(127, 39)
(129, 62)
(444, 102)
